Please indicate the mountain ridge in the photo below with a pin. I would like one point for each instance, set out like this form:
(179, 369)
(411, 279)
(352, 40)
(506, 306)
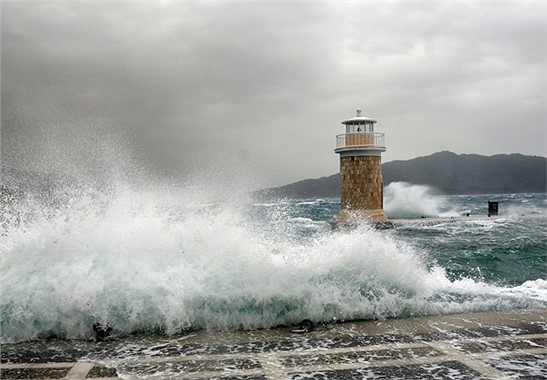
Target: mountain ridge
(446, 171)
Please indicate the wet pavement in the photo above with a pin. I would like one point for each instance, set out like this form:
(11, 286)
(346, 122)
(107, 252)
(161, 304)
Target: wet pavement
(501, 345)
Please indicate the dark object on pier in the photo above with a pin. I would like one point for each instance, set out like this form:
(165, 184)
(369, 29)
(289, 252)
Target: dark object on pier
(101, 332)
(492, 208)
(305, 326)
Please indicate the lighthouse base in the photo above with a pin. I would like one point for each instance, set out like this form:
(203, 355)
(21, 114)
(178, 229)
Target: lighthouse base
(360, 216)
(349, 219)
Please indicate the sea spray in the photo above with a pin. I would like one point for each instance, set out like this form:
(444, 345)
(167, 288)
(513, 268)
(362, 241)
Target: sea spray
(204, 270)
(162, 259)
(405, 200)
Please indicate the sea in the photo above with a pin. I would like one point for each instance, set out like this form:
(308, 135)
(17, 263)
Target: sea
(165, 261)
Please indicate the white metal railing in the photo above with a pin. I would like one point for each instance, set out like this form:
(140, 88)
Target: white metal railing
(360, 139)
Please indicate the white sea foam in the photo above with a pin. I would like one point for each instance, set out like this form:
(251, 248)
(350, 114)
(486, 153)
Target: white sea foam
(146, 261)
(405, 200)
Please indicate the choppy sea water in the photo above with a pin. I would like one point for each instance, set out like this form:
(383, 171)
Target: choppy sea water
(152, 260)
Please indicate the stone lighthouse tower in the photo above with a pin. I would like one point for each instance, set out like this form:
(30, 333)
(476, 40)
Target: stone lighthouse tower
(361, 183)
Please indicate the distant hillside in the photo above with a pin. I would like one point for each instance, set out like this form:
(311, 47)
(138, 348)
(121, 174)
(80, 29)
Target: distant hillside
(449, 172)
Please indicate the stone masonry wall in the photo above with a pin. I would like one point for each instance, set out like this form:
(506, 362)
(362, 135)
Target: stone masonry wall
(361, 185)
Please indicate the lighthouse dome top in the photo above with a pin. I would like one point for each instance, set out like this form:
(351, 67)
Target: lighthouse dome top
(359, 119)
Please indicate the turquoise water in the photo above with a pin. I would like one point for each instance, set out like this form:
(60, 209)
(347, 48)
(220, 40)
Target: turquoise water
(163, 260)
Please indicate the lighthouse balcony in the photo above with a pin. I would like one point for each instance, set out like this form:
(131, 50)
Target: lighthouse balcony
(360, 140)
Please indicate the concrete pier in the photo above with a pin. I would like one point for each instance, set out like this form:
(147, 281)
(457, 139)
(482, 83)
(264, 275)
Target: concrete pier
(500, 345)
(471, 218)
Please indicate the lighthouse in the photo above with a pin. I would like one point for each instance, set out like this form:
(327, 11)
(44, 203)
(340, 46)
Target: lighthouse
(361, 183)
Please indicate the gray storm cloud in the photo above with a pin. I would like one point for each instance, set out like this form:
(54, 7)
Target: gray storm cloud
(178, 86)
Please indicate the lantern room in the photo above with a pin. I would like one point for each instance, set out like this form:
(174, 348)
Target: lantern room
(359, 123)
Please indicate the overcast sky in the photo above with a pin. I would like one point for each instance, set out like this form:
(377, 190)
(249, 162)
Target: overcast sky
(265, 85)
